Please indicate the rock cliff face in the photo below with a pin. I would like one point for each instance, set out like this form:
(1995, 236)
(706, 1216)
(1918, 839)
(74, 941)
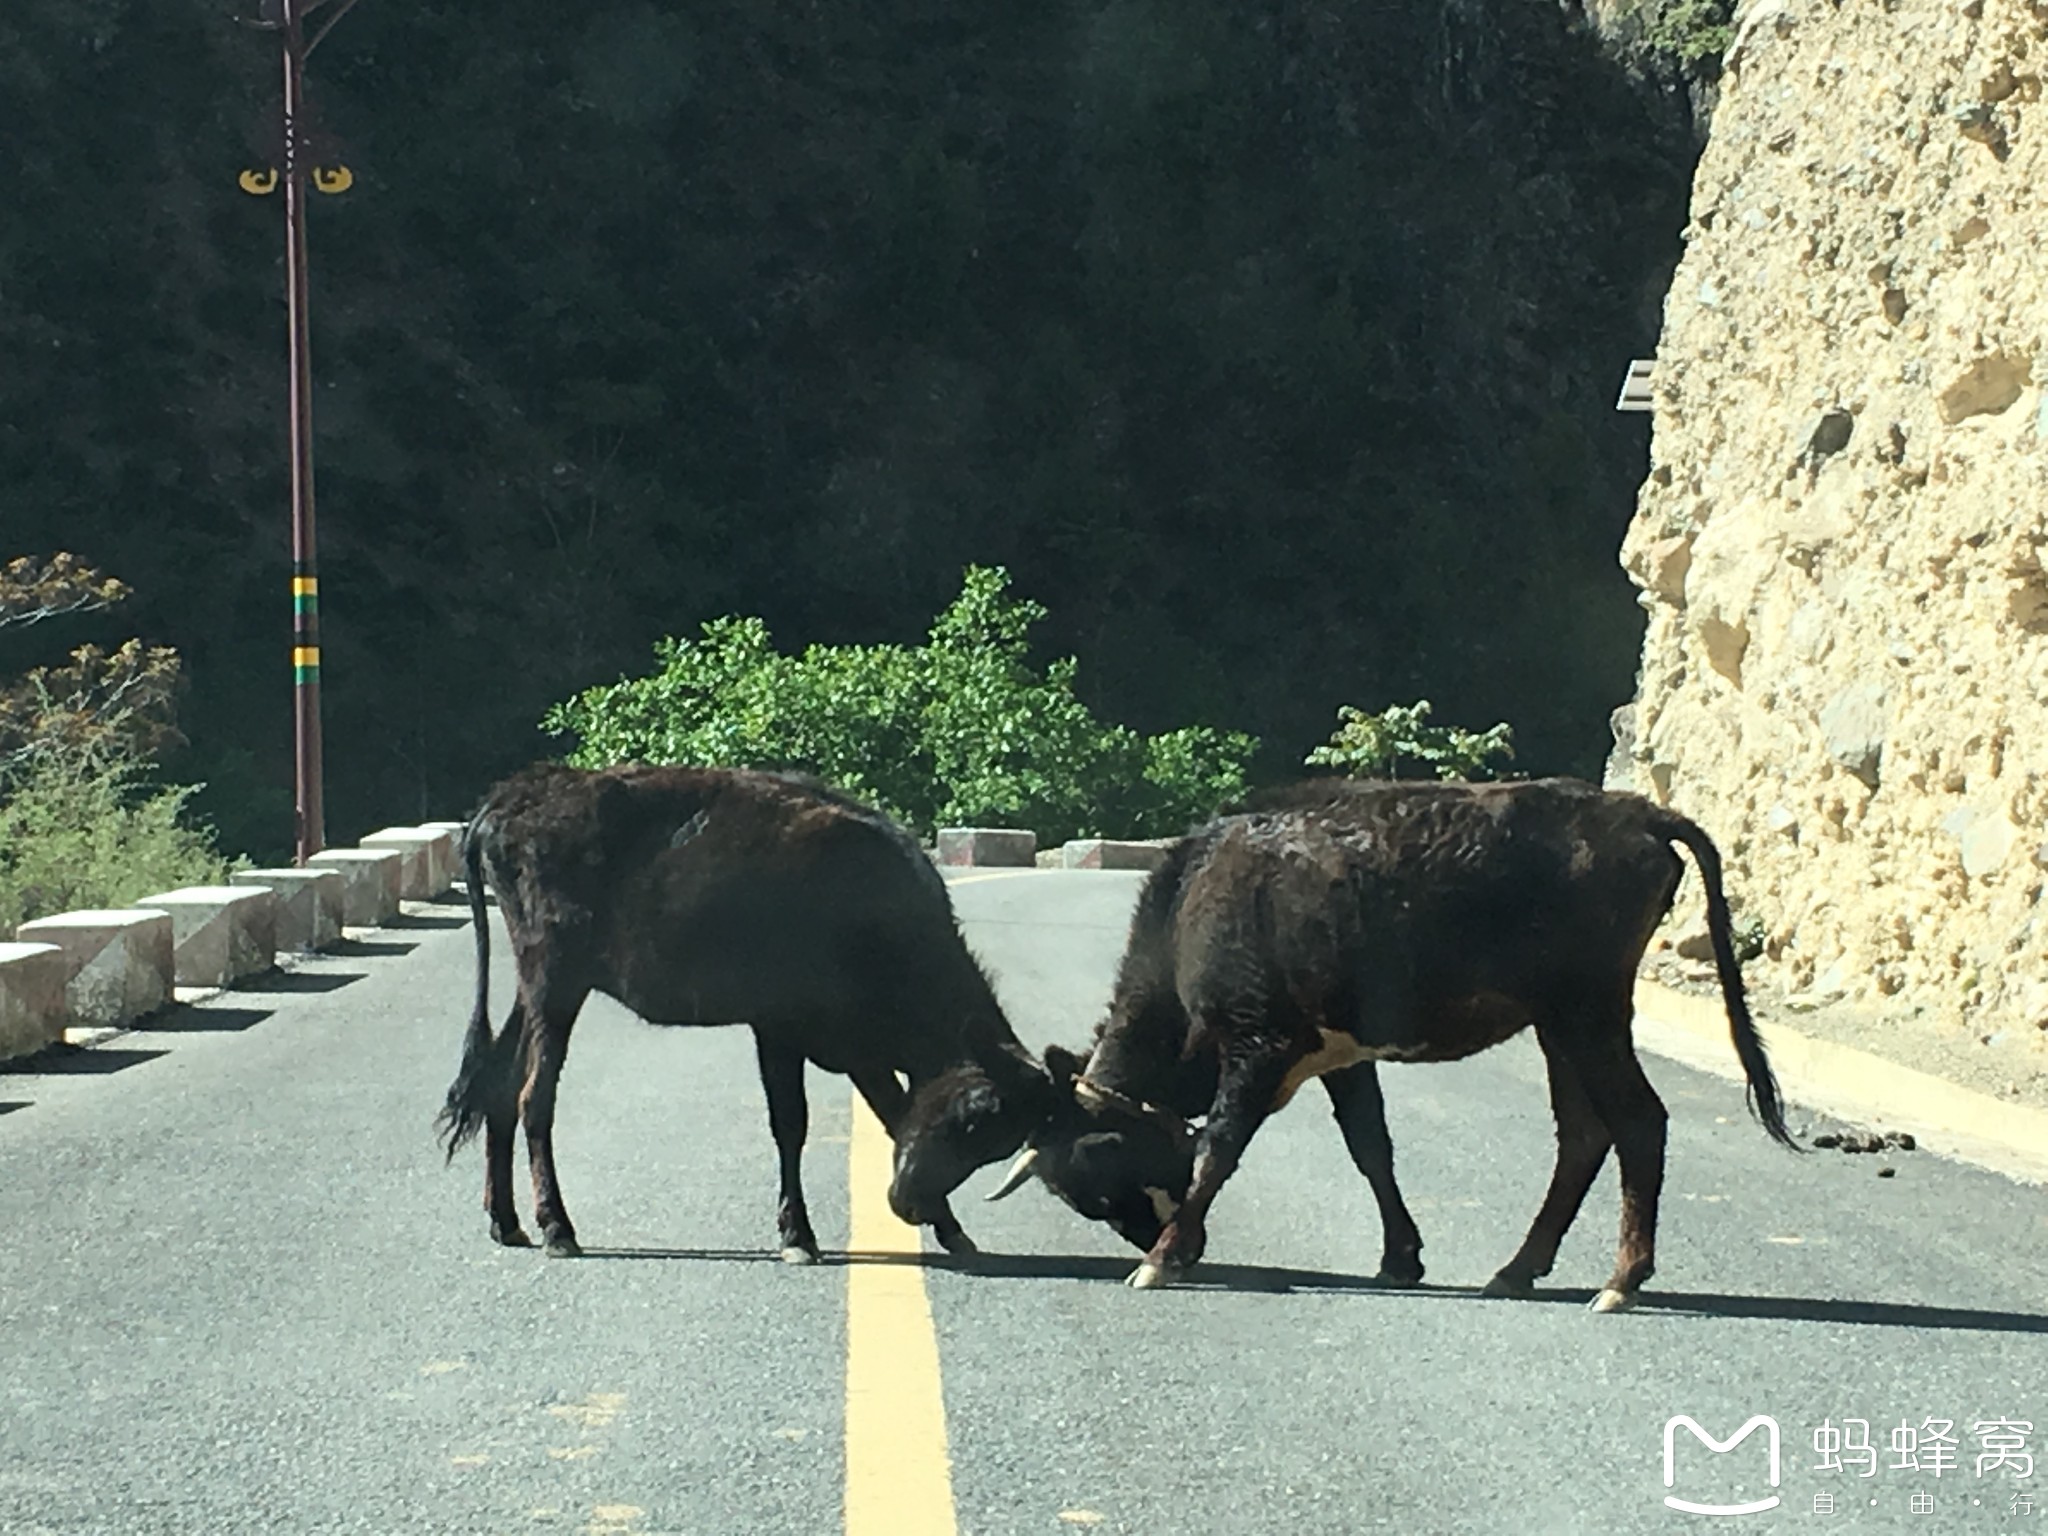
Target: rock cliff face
(1840, 545)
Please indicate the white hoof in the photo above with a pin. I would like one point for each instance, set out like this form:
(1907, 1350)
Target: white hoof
(795, 1255)
(1611, 1300)
(1149, 1277)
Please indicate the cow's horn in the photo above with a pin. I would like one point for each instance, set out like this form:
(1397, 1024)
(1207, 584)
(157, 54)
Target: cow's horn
(1020, 1173)
(1090, 1094)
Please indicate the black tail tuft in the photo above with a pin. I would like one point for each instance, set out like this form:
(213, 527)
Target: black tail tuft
(483, 1082)
(1764, 1100)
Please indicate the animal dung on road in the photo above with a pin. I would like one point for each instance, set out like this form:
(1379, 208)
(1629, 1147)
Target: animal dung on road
(1866, 1141)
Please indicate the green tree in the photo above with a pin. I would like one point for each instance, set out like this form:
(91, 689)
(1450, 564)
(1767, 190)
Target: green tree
(960, 730)
(1380, 746)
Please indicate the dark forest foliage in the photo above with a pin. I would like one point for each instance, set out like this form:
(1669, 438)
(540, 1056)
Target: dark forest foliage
(1273, 346)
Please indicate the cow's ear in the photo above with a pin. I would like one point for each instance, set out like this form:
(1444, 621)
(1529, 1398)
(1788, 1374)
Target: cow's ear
(1063, 1066)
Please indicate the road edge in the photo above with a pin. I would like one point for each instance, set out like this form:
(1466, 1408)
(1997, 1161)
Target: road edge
(1854, 1085)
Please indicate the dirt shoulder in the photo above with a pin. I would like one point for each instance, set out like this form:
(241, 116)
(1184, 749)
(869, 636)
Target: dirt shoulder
(2009, 1064)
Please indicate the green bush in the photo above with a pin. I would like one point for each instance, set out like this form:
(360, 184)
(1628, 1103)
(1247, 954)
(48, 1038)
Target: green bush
(1691, 30)
(1379, 746)
(82, 824)
(86, 830)
(960, 731)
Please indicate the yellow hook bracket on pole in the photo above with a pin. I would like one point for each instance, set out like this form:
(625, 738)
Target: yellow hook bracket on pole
(332, 180)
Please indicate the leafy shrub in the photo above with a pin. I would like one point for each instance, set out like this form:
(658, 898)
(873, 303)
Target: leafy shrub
(1691, 30)
(84, 830)
(81, 823)
(1749, 936)
(960, 731)
(1378, 746)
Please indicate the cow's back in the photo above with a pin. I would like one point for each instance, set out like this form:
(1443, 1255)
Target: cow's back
(714, 896)
(1399, 905)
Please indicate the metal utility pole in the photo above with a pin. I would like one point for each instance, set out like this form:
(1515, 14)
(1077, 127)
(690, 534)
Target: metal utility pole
(296, 148)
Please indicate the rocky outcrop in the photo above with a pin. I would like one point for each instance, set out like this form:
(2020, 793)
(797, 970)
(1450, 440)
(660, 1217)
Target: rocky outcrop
(1840, 543)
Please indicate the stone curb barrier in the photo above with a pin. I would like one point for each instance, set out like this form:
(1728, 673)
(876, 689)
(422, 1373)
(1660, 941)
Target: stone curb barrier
(429, 867)
(458, 836)
(117, 963)
(1109, 853)
(986, 847)
(219, 933)
(32, 1009)
(108, 969)
(308, 910)
(370, 876)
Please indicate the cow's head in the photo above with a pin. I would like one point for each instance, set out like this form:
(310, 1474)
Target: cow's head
(964, 1119)
(1111, 1158)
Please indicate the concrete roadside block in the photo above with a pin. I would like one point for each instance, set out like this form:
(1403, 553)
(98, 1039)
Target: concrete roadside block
(414, 871)
(369, 897)
(117, 965)
(458, 832)
(442, 864)
(429, 859)
(1107, 853)
(308, 904)
(219, 933)
(31, 998)
(995, 847)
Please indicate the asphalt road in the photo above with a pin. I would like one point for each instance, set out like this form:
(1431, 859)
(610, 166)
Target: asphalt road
(239, 1292)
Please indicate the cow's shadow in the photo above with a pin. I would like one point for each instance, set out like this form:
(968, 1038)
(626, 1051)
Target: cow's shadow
(1281, 1280)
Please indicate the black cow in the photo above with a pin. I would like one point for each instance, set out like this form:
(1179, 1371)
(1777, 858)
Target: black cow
(717, 896)
(1345, 923)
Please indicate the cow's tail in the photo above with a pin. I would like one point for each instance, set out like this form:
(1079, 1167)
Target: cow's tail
(1764, 1101)
(484, 1080)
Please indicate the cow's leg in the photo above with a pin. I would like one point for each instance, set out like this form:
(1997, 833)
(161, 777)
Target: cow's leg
(1250, 1079)
(1622, 1096)
(782, 1080)
(554, 1012)
(1582, 1143)
(887, 1098)
(501, 1124)
(1362, 1116)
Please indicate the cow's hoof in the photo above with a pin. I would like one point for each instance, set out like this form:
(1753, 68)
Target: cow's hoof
(564, 1248)
(1400, 1277)
(511, 1237)
(793, 1253)
(1504, 1284)
(957, 1242)
(1152, 1277)
(1611, 1300)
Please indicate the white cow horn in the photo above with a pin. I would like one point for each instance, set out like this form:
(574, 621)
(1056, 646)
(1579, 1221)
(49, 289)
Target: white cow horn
(1018, 1176)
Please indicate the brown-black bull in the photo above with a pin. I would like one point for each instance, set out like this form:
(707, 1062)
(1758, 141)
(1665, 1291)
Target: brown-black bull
(1342, 923)
(701, 896)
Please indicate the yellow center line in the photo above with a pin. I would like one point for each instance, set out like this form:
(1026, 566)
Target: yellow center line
(899, 1475)
(899, 1478)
